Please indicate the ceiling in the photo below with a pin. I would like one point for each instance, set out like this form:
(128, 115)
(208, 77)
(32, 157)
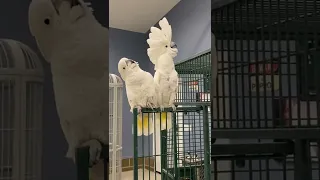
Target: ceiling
(138, 15)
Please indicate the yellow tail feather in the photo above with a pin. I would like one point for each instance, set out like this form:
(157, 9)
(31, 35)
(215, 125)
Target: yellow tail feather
(165, 120)
(145, 124)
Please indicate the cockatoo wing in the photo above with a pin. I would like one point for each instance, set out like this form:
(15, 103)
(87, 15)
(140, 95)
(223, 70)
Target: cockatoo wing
(130, 96)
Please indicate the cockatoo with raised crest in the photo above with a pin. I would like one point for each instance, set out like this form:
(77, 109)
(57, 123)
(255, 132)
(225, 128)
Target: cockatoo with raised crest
(161, 52)
(76, 45)
(141, 92)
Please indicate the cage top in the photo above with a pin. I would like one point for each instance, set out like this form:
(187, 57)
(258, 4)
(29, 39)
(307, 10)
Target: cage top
(18, 59)
(198, 64)
(266, 16)
(115, 80)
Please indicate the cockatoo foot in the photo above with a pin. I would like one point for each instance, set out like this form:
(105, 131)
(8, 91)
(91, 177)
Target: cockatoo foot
(71, 154)
(150, 105)
(174, 108)
(139, 109)
(95, 149)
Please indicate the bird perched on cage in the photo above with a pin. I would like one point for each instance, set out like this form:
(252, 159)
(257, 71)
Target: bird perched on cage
(161, 52)
(74, 43)
(141, 92)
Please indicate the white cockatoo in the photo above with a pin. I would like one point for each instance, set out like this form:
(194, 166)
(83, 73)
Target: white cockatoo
(141, 92)
(76, 45)
(161, 52)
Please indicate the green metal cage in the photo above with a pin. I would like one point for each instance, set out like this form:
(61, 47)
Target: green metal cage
(185, 149)
(194, 77)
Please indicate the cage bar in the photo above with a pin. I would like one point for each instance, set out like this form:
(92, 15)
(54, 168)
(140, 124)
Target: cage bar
(267, 92)
(21, 103)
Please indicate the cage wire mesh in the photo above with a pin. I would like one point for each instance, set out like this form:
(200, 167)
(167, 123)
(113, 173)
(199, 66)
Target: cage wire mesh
(183, 151)
(268, 91)
(194, 79)
(21, 95)
(115, 125)
(261, 161)
(267, 51)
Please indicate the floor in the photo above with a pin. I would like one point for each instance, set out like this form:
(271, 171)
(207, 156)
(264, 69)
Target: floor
(129, 175)
(97, 174)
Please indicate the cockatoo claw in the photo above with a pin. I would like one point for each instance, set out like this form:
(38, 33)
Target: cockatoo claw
(150, 105)
(139, 109)
(95, 149)
(161, 108)
(174, 108)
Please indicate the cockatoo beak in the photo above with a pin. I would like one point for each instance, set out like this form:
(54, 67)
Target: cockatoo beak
(173, 45)
(131, 61)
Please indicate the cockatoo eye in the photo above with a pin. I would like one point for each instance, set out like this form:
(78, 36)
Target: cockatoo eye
(123, 68)
(47, 21)
(166, 46)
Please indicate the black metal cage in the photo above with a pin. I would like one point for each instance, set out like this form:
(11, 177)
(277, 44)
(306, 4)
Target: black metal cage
(268, 88)
(268, 68)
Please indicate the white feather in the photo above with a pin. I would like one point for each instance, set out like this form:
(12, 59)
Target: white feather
(166, 28)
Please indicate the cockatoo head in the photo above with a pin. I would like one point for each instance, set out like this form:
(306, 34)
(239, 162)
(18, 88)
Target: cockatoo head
(47, 17)
(42, 19)
(127, 66)
(160, 41)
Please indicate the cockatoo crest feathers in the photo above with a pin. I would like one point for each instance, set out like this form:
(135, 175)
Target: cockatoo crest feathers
(159, 40)
(166, 28)
(163, 35)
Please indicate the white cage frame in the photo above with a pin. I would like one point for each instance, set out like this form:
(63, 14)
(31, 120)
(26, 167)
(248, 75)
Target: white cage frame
(27, 77)
(115, 126)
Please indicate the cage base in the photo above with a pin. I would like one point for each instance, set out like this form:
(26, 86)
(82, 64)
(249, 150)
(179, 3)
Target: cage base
(253, 148)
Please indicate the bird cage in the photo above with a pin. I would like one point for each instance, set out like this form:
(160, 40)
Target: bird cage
(268, 98)
(115, 125)
(184, 149)
(21, 95)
